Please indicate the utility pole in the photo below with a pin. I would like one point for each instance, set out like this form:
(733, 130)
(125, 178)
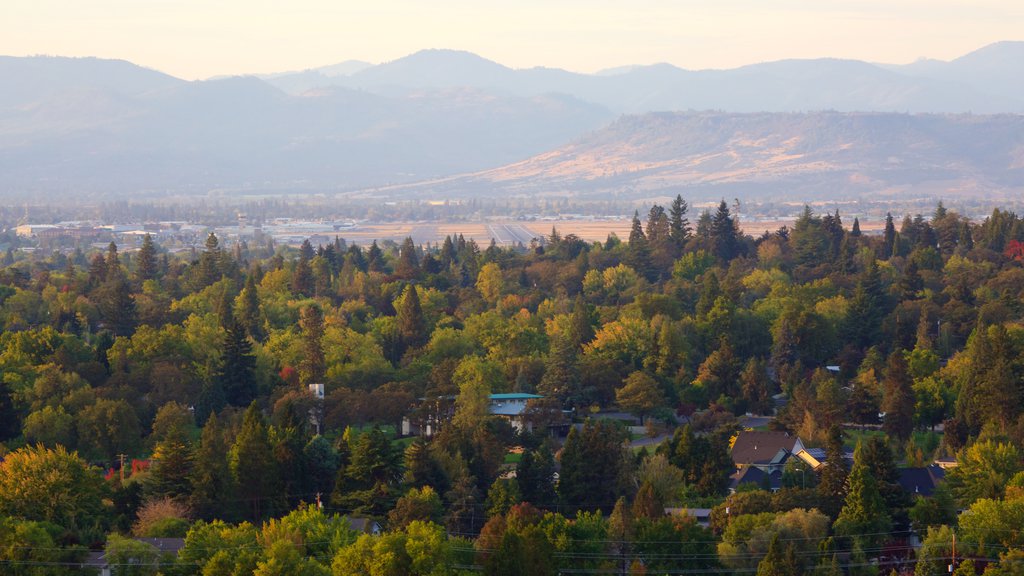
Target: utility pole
(122, 457)
(952, 561)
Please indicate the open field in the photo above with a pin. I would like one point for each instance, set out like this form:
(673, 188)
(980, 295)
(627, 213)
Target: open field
(511, 232)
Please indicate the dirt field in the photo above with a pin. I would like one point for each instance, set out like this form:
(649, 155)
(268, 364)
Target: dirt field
(510, 232)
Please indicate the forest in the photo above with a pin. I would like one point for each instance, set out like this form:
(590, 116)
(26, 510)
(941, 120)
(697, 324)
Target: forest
(152, 397)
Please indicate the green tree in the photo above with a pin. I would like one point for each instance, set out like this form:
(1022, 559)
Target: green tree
(366, 485)
(983, 471)
(476, 378)
(898, 398)
(52, 485)
(237, 374)
(302, 276)
(703, 459)
(129, 557)
(535, 474)
(116, 305)
(408, 266)
(490, 283)
(832, 481)
(640, 395)
(247, 310)
(561, 377)
(412, 327)
(145, 261)
(594, 466)
(212, 484)
(422, 504)
(108, 428)
(864, 517)
(933, 558)
(638, 252)
(725, 241)
(253, 467)
(679, 225)
(172, 469)
(209, 268)
(314, 365)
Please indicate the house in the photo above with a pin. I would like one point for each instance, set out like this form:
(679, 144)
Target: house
(702, 516)
(767, 451)
(98, 563)
(815, 457)
(748, 474)
(364, 525)
(512, 407)
(433, 413)
(921, 481)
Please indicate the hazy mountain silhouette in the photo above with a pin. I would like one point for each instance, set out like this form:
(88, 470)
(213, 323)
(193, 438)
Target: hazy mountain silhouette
(710, 155)
(140, 131)
(87, 124)
(984, 81)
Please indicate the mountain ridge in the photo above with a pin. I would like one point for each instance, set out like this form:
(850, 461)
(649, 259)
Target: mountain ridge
(766, 155)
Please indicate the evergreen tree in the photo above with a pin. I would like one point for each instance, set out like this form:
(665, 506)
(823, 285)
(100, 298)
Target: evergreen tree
(638, 252)
(10, 422)
(447, 254)
(355, 256)
(679, 225)
(369, 480)
(421, 469)
(209, 270)
(145, 262)
(238, 367)
(724, 235)
(855, 230)
(253, 467)
(703, 460)
(864, 517)
(660, 243)
(779, 561)
(408, 265)
(561, 377)
(593, 466)
(172, 471)
(97, 271)
(116, 305)
(888, 237)
(809, 239)
(211, 400)
(313, 367)
(302, 276)
(582, 319)
(911, 282)
(832, 482)
(535, 474)
(375, 258)
(866, 310)
(247, 310)
(898, 398)
(320, 463)
(412, 328)
(878, 458)
(113, 261)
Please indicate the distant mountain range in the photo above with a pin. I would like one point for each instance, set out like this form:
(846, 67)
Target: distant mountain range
(985, 81)
(107, 127)
(712, 155)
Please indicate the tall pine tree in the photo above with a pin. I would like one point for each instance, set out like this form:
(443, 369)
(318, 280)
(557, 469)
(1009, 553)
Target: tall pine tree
(238, 366)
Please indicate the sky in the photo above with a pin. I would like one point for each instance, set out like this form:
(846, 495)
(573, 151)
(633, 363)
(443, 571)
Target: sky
(197, 39)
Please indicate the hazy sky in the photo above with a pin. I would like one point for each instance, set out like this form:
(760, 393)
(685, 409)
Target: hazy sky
(201, 38)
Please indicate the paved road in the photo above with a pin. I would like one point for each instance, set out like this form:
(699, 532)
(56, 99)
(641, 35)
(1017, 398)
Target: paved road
(754, 421)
